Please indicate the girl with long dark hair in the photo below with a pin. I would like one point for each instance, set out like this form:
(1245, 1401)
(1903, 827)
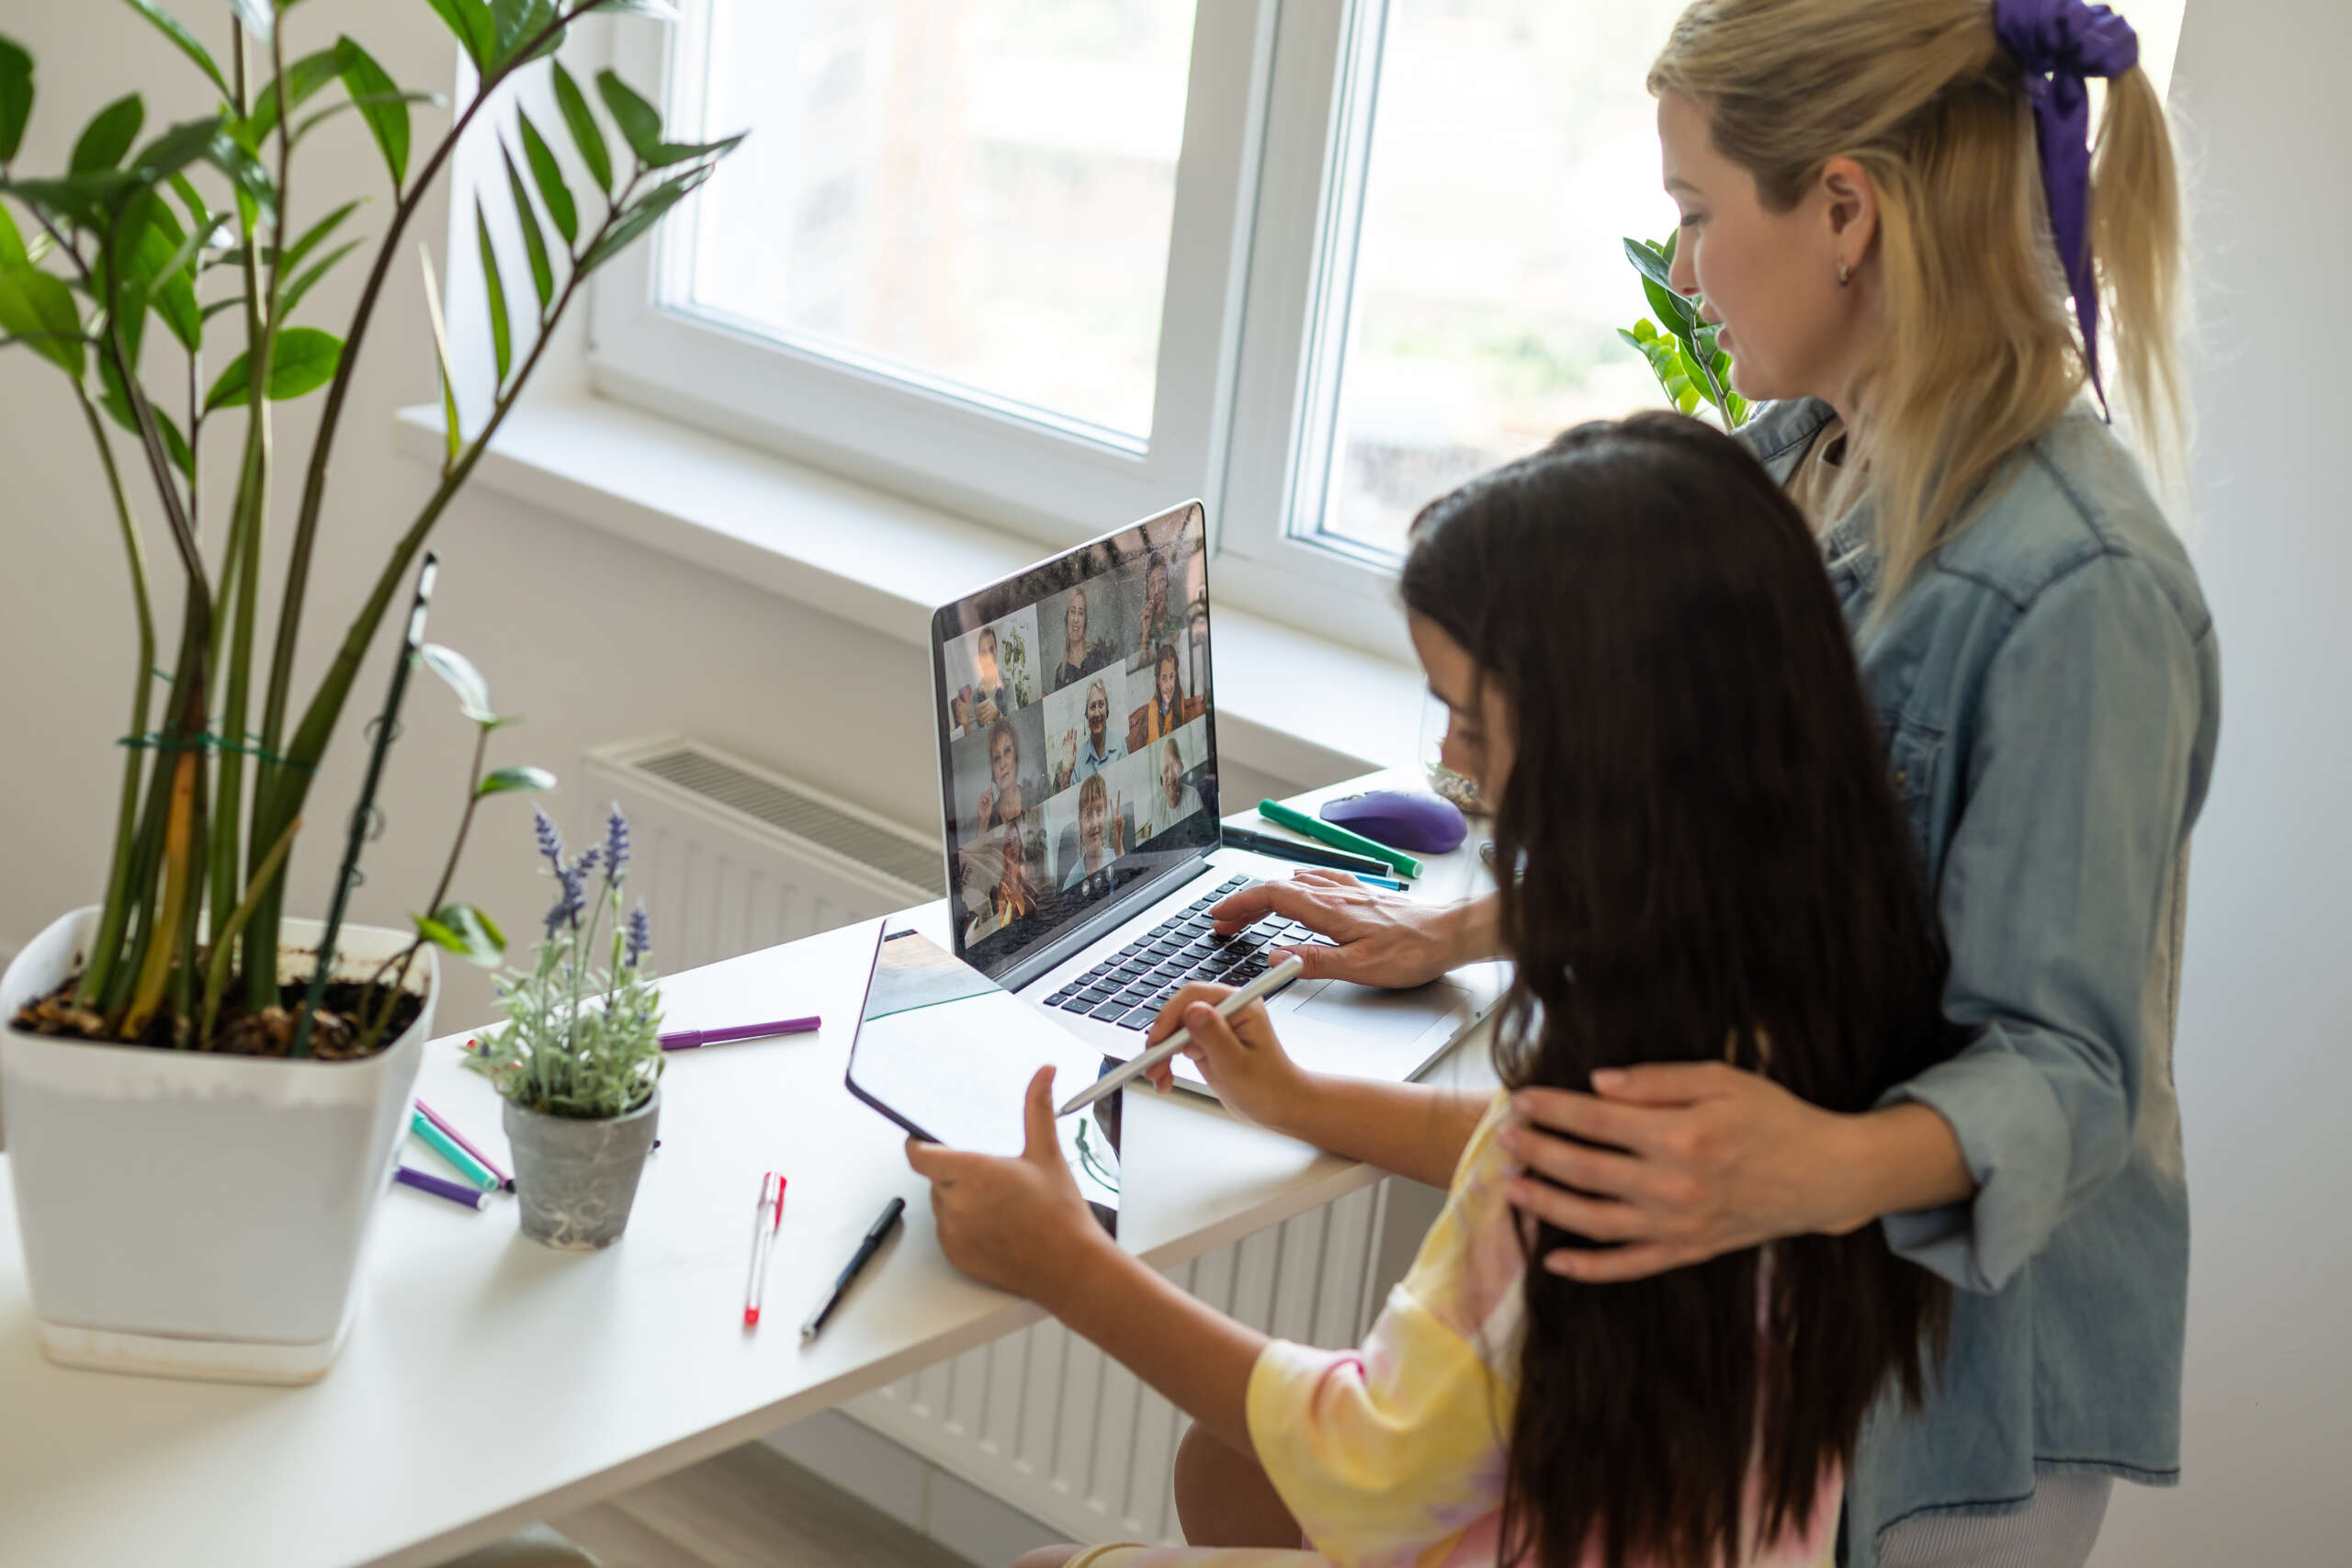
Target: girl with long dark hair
(1646, 668)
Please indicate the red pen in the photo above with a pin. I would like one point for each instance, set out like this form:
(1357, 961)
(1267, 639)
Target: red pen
(766, 1220)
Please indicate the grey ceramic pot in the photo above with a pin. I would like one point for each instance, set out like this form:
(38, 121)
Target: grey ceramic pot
(577, 1179)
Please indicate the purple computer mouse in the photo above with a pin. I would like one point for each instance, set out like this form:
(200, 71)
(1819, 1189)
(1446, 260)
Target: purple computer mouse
(1403, 819)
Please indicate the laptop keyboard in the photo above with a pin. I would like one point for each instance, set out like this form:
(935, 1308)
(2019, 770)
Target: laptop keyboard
(1129, 986)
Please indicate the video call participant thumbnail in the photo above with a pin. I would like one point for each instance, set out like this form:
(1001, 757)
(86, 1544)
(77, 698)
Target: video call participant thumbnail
(1162, 621)
(1173, 797)
(985, 701)
(1000, 875)
(1102, 836)
(1010, 790)
(1082, 656)
(1167, 710)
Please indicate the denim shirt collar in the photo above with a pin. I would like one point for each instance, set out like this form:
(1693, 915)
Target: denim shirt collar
(1780, 434)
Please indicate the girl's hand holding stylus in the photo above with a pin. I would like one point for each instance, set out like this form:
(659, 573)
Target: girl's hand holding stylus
(1243, 1060)
(1018, 1224)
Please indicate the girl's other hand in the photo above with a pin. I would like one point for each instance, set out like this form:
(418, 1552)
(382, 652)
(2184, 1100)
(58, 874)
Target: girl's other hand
(1019, 1223)
(1243, 1060)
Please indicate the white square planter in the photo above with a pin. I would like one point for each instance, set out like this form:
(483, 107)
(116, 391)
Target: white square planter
(185, 1214)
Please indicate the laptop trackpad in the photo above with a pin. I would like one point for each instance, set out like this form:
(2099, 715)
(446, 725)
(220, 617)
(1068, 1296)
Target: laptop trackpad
(1389, 1017)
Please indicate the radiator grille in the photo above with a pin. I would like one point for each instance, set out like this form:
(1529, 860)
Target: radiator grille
(804, 815)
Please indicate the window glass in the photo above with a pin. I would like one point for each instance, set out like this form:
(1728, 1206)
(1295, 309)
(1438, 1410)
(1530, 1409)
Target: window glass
(1513, 146)
(972, 193)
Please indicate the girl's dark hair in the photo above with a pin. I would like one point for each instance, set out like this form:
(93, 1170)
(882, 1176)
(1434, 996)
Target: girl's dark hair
(1710, 865)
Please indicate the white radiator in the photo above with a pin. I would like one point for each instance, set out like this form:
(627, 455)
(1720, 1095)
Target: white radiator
(734, 858)
(731, 858)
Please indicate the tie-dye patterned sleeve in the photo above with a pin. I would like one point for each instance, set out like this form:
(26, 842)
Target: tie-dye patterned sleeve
(1393, 1454)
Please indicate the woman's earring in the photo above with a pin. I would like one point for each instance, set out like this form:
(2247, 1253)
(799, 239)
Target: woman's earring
(1844, 274)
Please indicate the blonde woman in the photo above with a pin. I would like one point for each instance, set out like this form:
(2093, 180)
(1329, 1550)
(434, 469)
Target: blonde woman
(1890, 207)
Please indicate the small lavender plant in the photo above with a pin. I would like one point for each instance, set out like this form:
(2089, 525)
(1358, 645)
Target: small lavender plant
(583, 1038)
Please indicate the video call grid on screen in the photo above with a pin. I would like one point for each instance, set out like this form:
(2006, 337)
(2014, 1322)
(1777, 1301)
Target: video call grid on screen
(1078, 742)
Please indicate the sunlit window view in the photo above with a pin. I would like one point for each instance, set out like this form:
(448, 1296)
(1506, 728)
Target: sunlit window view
(1513, 146)
(976, 193)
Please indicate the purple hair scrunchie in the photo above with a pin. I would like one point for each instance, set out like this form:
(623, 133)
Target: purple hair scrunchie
(2061, 44)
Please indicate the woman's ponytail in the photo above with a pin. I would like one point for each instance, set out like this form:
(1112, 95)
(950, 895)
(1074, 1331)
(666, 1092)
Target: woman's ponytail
(2136, 245)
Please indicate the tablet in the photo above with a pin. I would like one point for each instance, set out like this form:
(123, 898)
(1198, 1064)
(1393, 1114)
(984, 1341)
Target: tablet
(945, 1053)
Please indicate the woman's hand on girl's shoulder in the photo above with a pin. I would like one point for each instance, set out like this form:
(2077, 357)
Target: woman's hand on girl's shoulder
(1019, 1223)
(1674, 1163)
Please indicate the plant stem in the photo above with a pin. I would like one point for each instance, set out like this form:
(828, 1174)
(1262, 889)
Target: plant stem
(105, 948)
(432, 905)
(281, 786)
(249, 517)
(224, 940)
(326, 707)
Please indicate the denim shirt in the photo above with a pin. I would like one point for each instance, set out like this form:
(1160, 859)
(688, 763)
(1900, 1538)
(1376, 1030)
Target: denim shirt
(2049, 689)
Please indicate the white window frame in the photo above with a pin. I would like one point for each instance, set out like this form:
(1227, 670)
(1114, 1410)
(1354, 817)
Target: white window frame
(1056, 480)
(1267, 198)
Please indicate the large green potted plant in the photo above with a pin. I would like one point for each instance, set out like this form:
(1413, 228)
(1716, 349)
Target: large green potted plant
(238, 1132)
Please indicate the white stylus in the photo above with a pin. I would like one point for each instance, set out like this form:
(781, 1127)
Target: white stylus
(1273, 979)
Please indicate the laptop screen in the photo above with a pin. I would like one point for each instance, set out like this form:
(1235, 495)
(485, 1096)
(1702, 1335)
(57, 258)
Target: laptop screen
(1077, 738)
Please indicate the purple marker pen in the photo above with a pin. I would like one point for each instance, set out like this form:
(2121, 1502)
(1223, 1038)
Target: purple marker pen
(690, 1039)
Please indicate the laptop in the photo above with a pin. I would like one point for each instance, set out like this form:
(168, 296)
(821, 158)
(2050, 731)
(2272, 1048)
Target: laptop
(1078, 761)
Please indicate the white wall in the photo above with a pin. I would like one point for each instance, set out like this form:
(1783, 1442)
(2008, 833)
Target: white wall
(2262, 1060)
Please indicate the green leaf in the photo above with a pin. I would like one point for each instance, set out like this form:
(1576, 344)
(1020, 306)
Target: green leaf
(458, 673)
(1673, 311)
(109, 135)
(672, 153)
(291, 294)
(1651, 261)
(465, 931)
(303, 360)
(313, 235)
(470, 20)
(15, 96)
(516, 24)
(171, 29)
(451, 432)
(549, 179)
(641, 215)
(12, 244)
(640, 122)
(667, 10)
(535, 243)
(380, 106)
(1644, 330)
(363, 103)
(502, 340)
(1629, 337)
(154, 269)
(507, 781)
(38, 310)
(585, 135)
(304, 79)
(199, 211)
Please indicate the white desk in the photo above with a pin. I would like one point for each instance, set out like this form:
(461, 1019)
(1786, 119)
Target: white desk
(491, 1382)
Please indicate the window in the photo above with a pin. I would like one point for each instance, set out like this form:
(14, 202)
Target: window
(973, 196)
(1000, 254)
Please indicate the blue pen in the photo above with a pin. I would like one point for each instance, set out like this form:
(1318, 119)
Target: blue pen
(1389, 881)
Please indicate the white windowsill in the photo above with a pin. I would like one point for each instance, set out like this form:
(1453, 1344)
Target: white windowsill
(1288, 703)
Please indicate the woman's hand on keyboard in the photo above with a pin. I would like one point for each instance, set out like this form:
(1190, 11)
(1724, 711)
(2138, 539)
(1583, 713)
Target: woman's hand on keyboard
(1385, 939)
(1243, 1060)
